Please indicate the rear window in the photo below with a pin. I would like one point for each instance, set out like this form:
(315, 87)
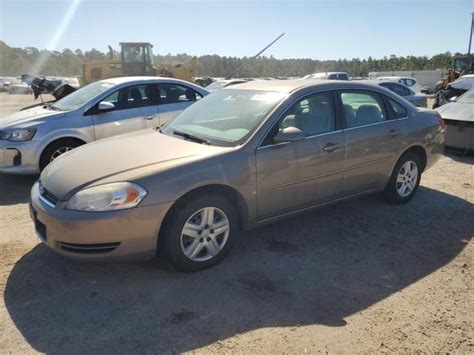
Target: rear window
(397, 109)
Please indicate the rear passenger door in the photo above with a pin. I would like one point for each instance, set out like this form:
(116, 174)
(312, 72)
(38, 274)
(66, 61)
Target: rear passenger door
(174, 98)
(372, 140)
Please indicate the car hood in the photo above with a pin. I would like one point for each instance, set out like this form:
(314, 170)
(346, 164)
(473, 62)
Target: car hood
(457, 111)
(119, 155)
(25, 116)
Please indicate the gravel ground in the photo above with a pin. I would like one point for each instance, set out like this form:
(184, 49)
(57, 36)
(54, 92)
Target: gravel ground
(358, 276)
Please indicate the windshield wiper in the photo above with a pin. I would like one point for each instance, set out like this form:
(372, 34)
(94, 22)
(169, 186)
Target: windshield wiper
(191, 137)
(51, 107)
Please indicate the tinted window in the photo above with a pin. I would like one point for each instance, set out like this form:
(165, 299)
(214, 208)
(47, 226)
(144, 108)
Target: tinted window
(172, 93)
(362, 108)
(398, 110)
(400, 90)
(313, 115)
(407, 82)
(134, 97)
(343, 77)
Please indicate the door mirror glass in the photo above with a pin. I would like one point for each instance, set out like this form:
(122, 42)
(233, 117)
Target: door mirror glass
(289, 134)
(105, 106)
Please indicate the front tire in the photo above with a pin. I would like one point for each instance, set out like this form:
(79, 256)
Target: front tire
(56, 149)
(405, 179)
(199, 232)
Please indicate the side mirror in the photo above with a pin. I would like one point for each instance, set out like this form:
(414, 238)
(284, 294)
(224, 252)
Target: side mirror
(105, 106)
(289, 134)
(453, 99)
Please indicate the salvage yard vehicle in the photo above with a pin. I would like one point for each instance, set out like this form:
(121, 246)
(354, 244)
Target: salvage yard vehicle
(454, 90)
(32, 138)
(239, 158)
(418, 100)
(328, 76)
(136, 59)
(459, 119)
(409, 82)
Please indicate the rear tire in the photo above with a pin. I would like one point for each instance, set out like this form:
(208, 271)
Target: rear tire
(193, 237)
(56, 149)
(405, 179)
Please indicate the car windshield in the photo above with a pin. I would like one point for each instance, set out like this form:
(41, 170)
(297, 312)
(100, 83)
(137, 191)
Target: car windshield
(81, 96)
(467, 98)
(226, 117)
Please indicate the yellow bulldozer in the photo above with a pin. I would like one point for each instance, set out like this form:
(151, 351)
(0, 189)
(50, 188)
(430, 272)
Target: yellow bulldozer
(136, 59)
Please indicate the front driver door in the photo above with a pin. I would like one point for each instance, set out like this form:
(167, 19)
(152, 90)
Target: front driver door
(295, 175)
(127, 116)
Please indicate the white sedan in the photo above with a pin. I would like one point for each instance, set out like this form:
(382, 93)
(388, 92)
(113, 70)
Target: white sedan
(32, 138)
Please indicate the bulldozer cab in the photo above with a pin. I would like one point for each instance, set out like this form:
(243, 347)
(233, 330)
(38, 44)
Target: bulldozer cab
(464, 65)
(137, 58)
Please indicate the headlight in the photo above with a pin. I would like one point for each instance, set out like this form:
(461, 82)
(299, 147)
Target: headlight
(18, 135)
(108, 197)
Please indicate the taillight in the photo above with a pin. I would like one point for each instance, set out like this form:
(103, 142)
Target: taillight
(442, 125)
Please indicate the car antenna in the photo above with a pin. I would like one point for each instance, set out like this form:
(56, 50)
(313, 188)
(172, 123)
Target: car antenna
(259, 53)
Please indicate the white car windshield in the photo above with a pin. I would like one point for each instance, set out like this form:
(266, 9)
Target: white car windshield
(226, 117)
(81, 96)
(467, 98)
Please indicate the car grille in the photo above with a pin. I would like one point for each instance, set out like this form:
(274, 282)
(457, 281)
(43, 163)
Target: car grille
(87, 248)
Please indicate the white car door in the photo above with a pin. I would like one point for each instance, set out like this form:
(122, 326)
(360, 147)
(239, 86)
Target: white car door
(126, 117)
(174, 98)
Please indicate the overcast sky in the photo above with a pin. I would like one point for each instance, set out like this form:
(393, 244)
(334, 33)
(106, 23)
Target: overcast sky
(314, 29)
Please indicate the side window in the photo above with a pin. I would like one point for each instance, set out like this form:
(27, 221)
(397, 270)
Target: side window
(400, 90)
(173, 93)
(313, 115)
(362, 108)
(397, 109)
(112, 98)
(134, 97)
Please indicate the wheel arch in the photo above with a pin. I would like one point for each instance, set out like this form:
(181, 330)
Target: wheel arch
(232, 194)
(417, 149)
(57, 139)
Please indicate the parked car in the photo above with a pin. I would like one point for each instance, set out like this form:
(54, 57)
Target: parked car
(454, 90)
(32, 138)
(459, 118)
(16, 86)
(328, 76)
(220, 84)
(409, 82)
(240, 157)
(419, 100)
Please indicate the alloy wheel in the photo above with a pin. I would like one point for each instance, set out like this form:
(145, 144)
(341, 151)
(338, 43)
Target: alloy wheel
(407, 178)
(205, 234)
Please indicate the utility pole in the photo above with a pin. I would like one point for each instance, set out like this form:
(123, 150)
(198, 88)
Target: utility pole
(470, 37)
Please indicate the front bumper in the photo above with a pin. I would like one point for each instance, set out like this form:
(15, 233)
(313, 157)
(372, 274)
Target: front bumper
(98, 236)
(19, 157)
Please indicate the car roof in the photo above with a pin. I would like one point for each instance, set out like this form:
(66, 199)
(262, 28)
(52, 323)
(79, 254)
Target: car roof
(287, 86)
(131, 79)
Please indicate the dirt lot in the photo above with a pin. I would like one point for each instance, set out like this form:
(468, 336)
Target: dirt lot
(357, 276)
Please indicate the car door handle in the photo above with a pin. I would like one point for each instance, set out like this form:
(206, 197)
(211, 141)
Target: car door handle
(393, 132)
(331, 147)
(148, 117)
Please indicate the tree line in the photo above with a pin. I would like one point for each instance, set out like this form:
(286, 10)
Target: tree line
(17, 61)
